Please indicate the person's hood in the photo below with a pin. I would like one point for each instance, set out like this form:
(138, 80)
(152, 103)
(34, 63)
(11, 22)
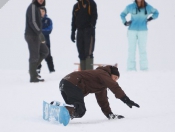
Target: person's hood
(105, 68)
(138, 9)
(111, 70)
(37, 4)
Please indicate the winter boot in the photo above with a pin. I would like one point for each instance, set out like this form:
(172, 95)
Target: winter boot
(71, 111)
(38, 70)
(89, 63)
(82, 64)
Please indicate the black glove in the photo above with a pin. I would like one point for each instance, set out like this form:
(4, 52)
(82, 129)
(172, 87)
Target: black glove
(73, 37)
(92, 29)
(129, 102)
(113, 116)
(149, 19)
(127, 23)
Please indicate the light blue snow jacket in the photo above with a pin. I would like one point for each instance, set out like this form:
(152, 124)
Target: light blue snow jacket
(139, 18)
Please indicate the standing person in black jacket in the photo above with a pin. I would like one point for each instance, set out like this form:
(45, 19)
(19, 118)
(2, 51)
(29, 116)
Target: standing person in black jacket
(47, 27)
(35, 39)
(84, 21)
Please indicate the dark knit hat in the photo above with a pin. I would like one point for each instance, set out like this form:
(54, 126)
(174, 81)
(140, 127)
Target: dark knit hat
(114, 71)
(43, 8)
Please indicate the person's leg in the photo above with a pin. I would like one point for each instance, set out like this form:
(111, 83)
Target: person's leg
(80, 48)
(44, 51)
(64, 97)
(73, 96)
(142, 41)
(50, 64)
(132, 40)
(39, 68)
(34, 47)
(89, 42)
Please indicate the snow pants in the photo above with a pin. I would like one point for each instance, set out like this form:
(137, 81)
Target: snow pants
(73, 95)
(85, 42)
(134, 38)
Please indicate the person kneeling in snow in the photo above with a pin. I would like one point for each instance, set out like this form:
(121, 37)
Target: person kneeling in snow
(76, 85)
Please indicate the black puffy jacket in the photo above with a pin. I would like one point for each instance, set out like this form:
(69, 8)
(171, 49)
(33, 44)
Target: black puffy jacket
(84, 14)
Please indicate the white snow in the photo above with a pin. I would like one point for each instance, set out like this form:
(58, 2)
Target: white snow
(154, 91)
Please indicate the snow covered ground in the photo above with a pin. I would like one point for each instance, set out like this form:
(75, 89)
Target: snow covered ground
(21, 104)
(154, 91)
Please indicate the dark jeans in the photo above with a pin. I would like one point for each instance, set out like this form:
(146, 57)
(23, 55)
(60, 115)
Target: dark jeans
(85, 42)
(73, 95)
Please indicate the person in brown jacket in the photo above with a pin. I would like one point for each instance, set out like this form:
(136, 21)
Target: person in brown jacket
(76, 85)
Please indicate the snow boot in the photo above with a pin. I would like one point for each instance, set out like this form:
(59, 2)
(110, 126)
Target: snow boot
(71, 111)
(82, 65)
(89, 63)
(33, 73)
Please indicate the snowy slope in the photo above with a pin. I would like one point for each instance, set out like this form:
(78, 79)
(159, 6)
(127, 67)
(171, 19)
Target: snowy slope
(21, 102)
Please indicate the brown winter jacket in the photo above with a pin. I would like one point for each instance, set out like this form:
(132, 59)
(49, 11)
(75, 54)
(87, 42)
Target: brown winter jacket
(97, 81)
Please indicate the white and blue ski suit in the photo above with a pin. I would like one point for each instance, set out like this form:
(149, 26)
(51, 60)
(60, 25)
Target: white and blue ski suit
(137, 32)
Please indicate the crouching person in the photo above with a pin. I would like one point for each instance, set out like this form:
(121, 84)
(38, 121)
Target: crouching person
(75, 86)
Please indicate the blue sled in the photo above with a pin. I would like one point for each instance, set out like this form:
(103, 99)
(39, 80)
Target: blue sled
(57, 113)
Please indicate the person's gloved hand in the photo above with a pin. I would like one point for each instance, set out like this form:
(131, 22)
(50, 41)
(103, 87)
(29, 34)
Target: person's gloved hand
(127, 23)
(129, 102)
(42, 38)
(113, 116)
(73, 37)
(92, 28)
(149, 19)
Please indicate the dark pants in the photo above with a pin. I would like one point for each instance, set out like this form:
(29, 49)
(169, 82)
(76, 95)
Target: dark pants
(37, 50)
(85, 42)
(49, 60)
(37, 53)
(73, 95)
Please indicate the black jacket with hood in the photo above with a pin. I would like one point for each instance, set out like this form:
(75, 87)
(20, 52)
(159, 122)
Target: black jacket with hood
(33, 19)
(84, 16)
